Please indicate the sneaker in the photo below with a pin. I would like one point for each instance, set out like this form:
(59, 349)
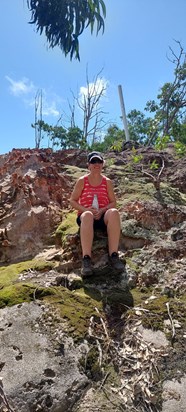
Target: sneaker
(87, 268)
(116, 263)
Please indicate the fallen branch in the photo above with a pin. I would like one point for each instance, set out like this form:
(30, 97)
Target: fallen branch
(171, 320)
(104, 380)
(103, 324)
(100, 352)
(137, 361)
(3, 397)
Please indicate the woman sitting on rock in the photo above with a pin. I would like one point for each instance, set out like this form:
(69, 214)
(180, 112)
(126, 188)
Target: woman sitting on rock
(94, 199)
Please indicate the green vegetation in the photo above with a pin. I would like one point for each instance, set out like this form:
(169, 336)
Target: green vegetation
(68, 226)
(12, 291)
(63, 22)
(162, 142)
(9, 274)
(135, 157)
(76, 308)
(66, 138)
(21, 292)
(154, 165)
(166, 124)
(154, 312)
(74, 172)
(180, 149)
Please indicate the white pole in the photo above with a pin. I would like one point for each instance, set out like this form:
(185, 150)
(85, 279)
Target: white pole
(124, 117)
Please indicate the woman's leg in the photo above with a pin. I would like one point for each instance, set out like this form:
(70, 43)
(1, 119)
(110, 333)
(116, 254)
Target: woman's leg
(86, 232)
(112, 221)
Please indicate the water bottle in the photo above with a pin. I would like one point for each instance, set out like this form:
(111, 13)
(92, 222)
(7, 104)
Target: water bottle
(95, 203)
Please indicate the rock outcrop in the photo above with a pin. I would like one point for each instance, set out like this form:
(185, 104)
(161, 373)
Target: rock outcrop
(107, 343)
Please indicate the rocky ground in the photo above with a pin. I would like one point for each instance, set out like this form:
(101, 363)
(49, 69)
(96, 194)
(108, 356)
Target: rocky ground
(110, 343)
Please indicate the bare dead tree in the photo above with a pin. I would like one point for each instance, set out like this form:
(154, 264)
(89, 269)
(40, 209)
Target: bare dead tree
(38, 118)
(72, 111)
(89, 103)
(174, 96)
(171, 98)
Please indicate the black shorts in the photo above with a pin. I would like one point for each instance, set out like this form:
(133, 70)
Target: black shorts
(98, 224)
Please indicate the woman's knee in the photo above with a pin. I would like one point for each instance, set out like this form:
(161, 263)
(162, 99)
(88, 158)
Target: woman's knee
(111, 214)
(87, 217)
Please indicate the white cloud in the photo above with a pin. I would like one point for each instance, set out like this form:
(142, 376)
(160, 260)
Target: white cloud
(50, 109)
(20, 87)
(29, 93)
(94, 89)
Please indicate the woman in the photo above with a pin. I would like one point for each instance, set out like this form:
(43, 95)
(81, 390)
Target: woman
(90, 217)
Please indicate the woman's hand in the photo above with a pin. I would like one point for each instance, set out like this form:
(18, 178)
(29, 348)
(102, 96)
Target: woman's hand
(97, 213)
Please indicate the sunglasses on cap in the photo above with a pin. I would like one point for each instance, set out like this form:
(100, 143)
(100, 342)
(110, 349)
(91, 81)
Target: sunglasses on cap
(96, 160)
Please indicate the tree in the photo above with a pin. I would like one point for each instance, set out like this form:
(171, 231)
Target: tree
(170, 108)
(93, 122)
(63, 21)
(139, 126)
(179, 130)
(112, 140)
(38, 119)
(66, 138)
(89, 103)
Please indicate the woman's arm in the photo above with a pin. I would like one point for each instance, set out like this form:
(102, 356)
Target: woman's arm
(111, 196)
(74, 198)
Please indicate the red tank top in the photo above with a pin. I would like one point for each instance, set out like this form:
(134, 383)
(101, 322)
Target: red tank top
(89, 191)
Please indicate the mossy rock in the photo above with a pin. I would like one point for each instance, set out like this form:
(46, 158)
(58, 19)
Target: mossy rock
(136, 189)
(170, 195)
(131, 228)
(76, 308)
(21, 292)
(68, 226)
(10, 273)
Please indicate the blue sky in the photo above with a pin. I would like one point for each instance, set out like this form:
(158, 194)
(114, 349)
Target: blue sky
(132, 52)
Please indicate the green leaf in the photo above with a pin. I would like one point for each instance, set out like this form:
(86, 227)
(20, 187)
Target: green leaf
(63, 21)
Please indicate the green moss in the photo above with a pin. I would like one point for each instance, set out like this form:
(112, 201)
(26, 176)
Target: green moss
(74, 171)
(20, 292)
(132, 189)
(90, 364)
(139, 297)
(137, 190)
(170, 195)
(157, 309)
(110, 163)
(76, 308)
(10, 273)
(133, 266)
(67, 226)
(42, 266)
